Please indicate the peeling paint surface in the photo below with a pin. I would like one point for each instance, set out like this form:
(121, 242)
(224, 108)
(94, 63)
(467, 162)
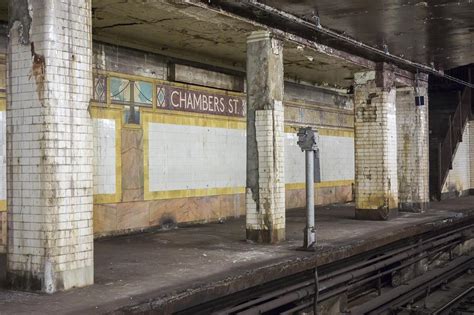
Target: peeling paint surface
(19, 12)
(438, 32)
(193, 32)
(376, 188)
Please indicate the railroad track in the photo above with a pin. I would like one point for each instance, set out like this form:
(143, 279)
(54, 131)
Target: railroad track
(394, 300)
(463, 304)
(368, 273)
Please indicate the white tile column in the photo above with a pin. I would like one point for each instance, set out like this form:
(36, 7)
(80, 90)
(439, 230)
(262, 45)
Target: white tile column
(49, 145)
(376, 183)
(413, 148)
(265, 194)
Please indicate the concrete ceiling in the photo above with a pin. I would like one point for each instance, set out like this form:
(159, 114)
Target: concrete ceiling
(435, 32)
(173, 29)
(192, 31)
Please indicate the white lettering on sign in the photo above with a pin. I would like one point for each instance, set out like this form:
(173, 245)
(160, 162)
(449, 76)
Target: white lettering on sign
(175, 98)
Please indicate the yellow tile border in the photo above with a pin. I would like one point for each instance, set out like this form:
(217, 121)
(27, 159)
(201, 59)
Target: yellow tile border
(324, 131)
(3, 107)
(212, 120)
(115, 114)
(325, 184)
(145, 118)
(131, 126)
(336, 132)
(164, 116)
(195, 120)
(191, 87)
(187, 193)
(318, 106)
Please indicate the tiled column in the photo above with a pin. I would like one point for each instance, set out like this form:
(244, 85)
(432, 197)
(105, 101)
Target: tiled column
(49, 145)
(413, 148)
(265, 193)
(376, 185)
(471, 154)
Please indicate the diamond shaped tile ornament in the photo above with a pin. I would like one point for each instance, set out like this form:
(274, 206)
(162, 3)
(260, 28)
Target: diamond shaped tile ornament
(99, 89)
(160, 95)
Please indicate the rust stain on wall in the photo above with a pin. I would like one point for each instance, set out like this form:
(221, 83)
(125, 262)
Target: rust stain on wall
(38, 71)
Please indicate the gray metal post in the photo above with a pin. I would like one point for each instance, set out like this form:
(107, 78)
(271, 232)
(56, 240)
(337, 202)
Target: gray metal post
(310, 235)
(307, 142)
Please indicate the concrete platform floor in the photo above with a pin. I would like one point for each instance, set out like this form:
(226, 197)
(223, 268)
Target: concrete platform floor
(215, 259)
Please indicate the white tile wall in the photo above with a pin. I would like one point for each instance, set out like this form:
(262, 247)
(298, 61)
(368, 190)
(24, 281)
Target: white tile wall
(471, 152)
(192, 157)
(459, 177)
(3, 164)
(336, 159)
(336, 156)
(413, 147)
(269, 133)
(376, 142)
(294, 160)
(104, 156)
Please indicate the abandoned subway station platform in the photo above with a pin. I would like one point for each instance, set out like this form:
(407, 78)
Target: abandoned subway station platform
(236, 157)
(168, 271)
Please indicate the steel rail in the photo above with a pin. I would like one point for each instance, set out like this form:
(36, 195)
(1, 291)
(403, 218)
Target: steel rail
(393, 252)
(249, 298)
(453, 301)
(348, 287)
(307, 290)
(431, 278)
(374, 267)
(424, 289)
(266, 297)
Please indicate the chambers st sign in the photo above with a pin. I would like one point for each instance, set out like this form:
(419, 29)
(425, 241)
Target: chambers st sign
(200, 101)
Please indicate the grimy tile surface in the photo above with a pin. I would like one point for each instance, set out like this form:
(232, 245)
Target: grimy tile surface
(163, 264)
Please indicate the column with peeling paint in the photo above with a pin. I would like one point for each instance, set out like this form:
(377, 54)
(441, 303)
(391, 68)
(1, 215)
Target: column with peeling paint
(376, 183)
(265, 191)
(413, 147)
(49, 145)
